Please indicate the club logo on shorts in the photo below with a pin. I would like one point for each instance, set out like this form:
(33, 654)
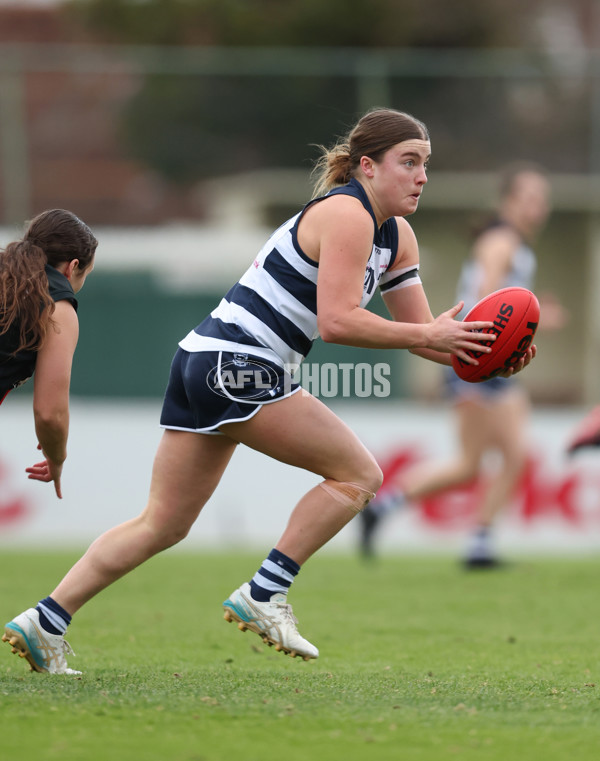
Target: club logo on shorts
(245, 379)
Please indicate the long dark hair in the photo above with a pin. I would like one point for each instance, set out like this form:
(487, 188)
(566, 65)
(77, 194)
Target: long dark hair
(54, 236)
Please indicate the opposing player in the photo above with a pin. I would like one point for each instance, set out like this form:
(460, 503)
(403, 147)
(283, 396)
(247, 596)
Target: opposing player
(39, 277)
(230, 383)
(492, 415)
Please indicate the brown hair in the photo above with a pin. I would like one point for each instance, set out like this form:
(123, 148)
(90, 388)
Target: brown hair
(374, 134)
(510, 175)
(52, 237)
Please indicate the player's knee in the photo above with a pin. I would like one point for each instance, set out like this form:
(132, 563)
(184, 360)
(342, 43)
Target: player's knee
(468, 470)
(161, 535)
(374, 478)
(176, 535)
(367, 473)
(516, 460)
(352, 495)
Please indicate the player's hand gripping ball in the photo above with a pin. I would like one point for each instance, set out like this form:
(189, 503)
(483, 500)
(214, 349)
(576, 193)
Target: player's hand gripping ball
(515, 313)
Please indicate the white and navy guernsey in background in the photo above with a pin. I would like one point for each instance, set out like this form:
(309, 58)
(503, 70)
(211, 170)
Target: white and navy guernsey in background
(520, 275)
(271, 312)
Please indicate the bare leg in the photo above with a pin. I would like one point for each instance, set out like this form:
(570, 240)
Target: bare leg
(473, 437)
(507, 421)
(300, 431)
(303, 432)
(187, 469)
(482, 426)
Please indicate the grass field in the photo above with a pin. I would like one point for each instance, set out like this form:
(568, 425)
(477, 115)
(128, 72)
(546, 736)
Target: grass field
(420, 660)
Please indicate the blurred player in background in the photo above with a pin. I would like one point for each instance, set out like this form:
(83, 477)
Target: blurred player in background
(587, 433)
(230, 383)
(491, 416)
(39, 277)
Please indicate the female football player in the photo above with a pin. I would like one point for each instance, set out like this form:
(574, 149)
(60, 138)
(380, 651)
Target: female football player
(230, 383)
(39, 277)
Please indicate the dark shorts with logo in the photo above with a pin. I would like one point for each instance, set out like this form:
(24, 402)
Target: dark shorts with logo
(209, 388)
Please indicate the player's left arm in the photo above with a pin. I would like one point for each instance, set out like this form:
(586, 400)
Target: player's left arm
(406, 299)
(51, 383)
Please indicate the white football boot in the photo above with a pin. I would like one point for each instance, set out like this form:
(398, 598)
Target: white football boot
(273, 621)
(45, 652)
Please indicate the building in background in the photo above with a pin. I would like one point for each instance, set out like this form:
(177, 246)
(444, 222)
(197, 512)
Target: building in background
(182, 138)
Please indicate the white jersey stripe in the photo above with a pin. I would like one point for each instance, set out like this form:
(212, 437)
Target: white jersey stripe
(195, 342)
(281, 300)
(260, 331)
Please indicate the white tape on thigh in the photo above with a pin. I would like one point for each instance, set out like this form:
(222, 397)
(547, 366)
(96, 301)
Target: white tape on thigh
(352, 496)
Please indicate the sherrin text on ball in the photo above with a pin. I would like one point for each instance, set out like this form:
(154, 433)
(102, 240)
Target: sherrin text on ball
(515, 313)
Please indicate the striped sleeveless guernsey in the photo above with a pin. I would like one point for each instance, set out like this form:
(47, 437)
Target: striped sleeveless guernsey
(272, 310)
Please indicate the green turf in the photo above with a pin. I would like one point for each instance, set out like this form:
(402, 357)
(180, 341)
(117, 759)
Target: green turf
(420, 660)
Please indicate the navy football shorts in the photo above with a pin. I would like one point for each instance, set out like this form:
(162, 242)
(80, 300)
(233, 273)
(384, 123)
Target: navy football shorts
(209, 388)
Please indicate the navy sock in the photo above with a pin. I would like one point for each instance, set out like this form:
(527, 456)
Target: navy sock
(53, 618)
(274, 576)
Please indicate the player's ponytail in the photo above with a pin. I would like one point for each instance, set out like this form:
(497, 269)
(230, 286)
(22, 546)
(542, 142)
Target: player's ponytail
(24, 297)
(333, 168)
(374, 134)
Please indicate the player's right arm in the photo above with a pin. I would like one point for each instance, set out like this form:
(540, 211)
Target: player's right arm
(338, 233)
(52, 379)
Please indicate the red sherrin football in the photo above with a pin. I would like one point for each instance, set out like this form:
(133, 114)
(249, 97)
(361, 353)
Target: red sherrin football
(515, 313)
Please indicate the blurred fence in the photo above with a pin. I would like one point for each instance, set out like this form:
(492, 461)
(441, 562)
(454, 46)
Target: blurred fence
(87, 125)
(140, 137)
